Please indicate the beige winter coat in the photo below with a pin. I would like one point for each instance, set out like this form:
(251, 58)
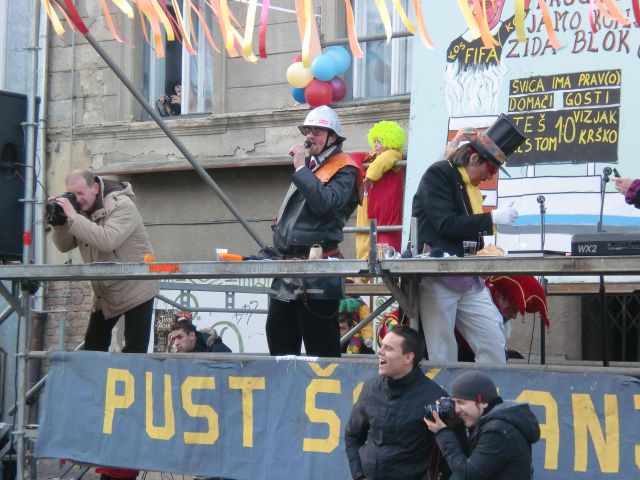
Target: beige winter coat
(114, 232)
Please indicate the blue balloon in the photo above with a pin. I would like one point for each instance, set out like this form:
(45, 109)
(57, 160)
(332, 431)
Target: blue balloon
(298, 95)
(341, 56)
(324, 68)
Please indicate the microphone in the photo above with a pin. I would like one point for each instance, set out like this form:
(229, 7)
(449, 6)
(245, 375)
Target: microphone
(540, 199)
(606, 171)
(307, 145)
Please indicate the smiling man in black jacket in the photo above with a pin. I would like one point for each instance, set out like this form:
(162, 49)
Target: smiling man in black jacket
(500, 433)
(386, 437)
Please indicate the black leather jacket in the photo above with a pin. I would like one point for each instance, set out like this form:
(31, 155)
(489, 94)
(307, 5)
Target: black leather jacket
(443, 210)
(315, 213)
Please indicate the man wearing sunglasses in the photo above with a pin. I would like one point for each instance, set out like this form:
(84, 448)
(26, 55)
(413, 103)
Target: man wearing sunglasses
(448, 207)
(325, 190)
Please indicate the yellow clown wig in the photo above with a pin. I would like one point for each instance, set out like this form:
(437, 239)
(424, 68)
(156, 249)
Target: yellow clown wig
(389, 134)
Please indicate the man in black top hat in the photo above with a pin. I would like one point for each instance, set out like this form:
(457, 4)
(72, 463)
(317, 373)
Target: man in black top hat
(448, 207)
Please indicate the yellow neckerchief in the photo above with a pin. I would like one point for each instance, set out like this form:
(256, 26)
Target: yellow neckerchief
(473, 192)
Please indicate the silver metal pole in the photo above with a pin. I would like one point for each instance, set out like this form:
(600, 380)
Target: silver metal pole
(174, 139)
(25, 314)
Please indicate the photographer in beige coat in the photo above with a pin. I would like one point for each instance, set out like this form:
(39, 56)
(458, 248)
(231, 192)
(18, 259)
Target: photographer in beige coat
(108, 228)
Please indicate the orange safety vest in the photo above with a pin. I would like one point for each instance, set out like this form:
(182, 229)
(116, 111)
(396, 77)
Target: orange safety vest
(330, 167)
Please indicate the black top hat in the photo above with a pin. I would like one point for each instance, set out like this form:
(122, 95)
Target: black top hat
(498, 142)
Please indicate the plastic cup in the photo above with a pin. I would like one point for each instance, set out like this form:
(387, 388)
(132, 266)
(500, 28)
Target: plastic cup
(469, 248)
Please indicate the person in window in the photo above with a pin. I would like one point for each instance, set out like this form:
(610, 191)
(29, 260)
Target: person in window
(170, 106)
(383, 185)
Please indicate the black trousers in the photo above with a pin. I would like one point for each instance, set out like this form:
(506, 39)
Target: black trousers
(137, 328)
(291, 323)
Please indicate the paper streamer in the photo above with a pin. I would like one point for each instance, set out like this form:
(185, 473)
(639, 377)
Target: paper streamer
(636, 11)
(384, 16)
(519, 21)
(181, 25)
(403, 16)
(354, 45)
(109, 20)
(469, 19)
(247, 41)
(546, 18)
(422, 27)
(264, 19)
(613, 12)
(480, 14)
(75, 17)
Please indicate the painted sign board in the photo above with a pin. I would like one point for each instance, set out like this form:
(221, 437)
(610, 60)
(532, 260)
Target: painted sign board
(577, 105)
(285, 418)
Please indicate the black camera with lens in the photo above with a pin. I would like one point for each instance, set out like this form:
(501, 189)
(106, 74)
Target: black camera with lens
(54, 214)
(445, 407)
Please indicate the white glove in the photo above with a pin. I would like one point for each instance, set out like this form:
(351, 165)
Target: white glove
(504, 215)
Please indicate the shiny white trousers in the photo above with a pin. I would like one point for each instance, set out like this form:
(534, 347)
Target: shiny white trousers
(474, 314)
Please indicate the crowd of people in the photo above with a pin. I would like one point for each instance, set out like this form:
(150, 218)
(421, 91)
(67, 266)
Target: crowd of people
(386, 436)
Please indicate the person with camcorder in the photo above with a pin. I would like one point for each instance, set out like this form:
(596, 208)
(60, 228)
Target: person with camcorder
(97, 215)
(500, 432)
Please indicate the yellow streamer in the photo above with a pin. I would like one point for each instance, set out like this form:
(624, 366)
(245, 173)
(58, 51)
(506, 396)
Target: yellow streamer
(422, 27)
(546, 18)
(519, 21)
(469, 19)
(182, 28)
(384, 16)
(403, 16)
(53, 17)
(480, 13)
(150, 14)
(125, 7)
(356, 51)
(307, 18)
(247, 42)
(162, 17)
(215, 7)
(614, 12)
(226, 22)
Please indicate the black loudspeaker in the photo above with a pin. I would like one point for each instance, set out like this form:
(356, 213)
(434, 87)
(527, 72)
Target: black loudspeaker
(12, 174)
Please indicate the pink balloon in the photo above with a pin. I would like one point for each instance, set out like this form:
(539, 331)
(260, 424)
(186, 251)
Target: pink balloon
(338, 89)
(318, 93)
(297, 58)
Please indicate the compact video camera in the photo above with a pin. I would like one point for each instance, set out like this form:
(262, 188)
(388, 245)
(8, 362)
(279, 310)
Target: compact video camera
(445, 407)
(54, 214)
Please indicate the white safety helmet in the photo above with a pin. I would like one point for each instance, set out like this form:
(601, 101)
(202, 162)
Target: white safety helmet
(324, 117)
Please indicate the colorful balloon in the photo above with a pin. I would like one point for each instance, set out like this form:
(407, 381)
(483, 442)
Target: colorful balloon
(341, 56)
(297, 58)
(298, 95)
(324, 68)
(318, 93)
(298, 76)
(338, 89)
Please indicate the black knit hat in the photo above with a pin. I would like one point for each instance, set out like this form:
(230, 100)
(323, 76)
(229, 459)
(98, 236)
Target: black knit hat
(474, 385)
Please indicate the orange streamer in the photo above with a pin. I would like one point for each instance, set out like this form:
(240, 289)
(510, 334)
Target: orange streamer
(480, 15)
(422, 27)
(548, 24)
(109, 20)
(356, 51)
